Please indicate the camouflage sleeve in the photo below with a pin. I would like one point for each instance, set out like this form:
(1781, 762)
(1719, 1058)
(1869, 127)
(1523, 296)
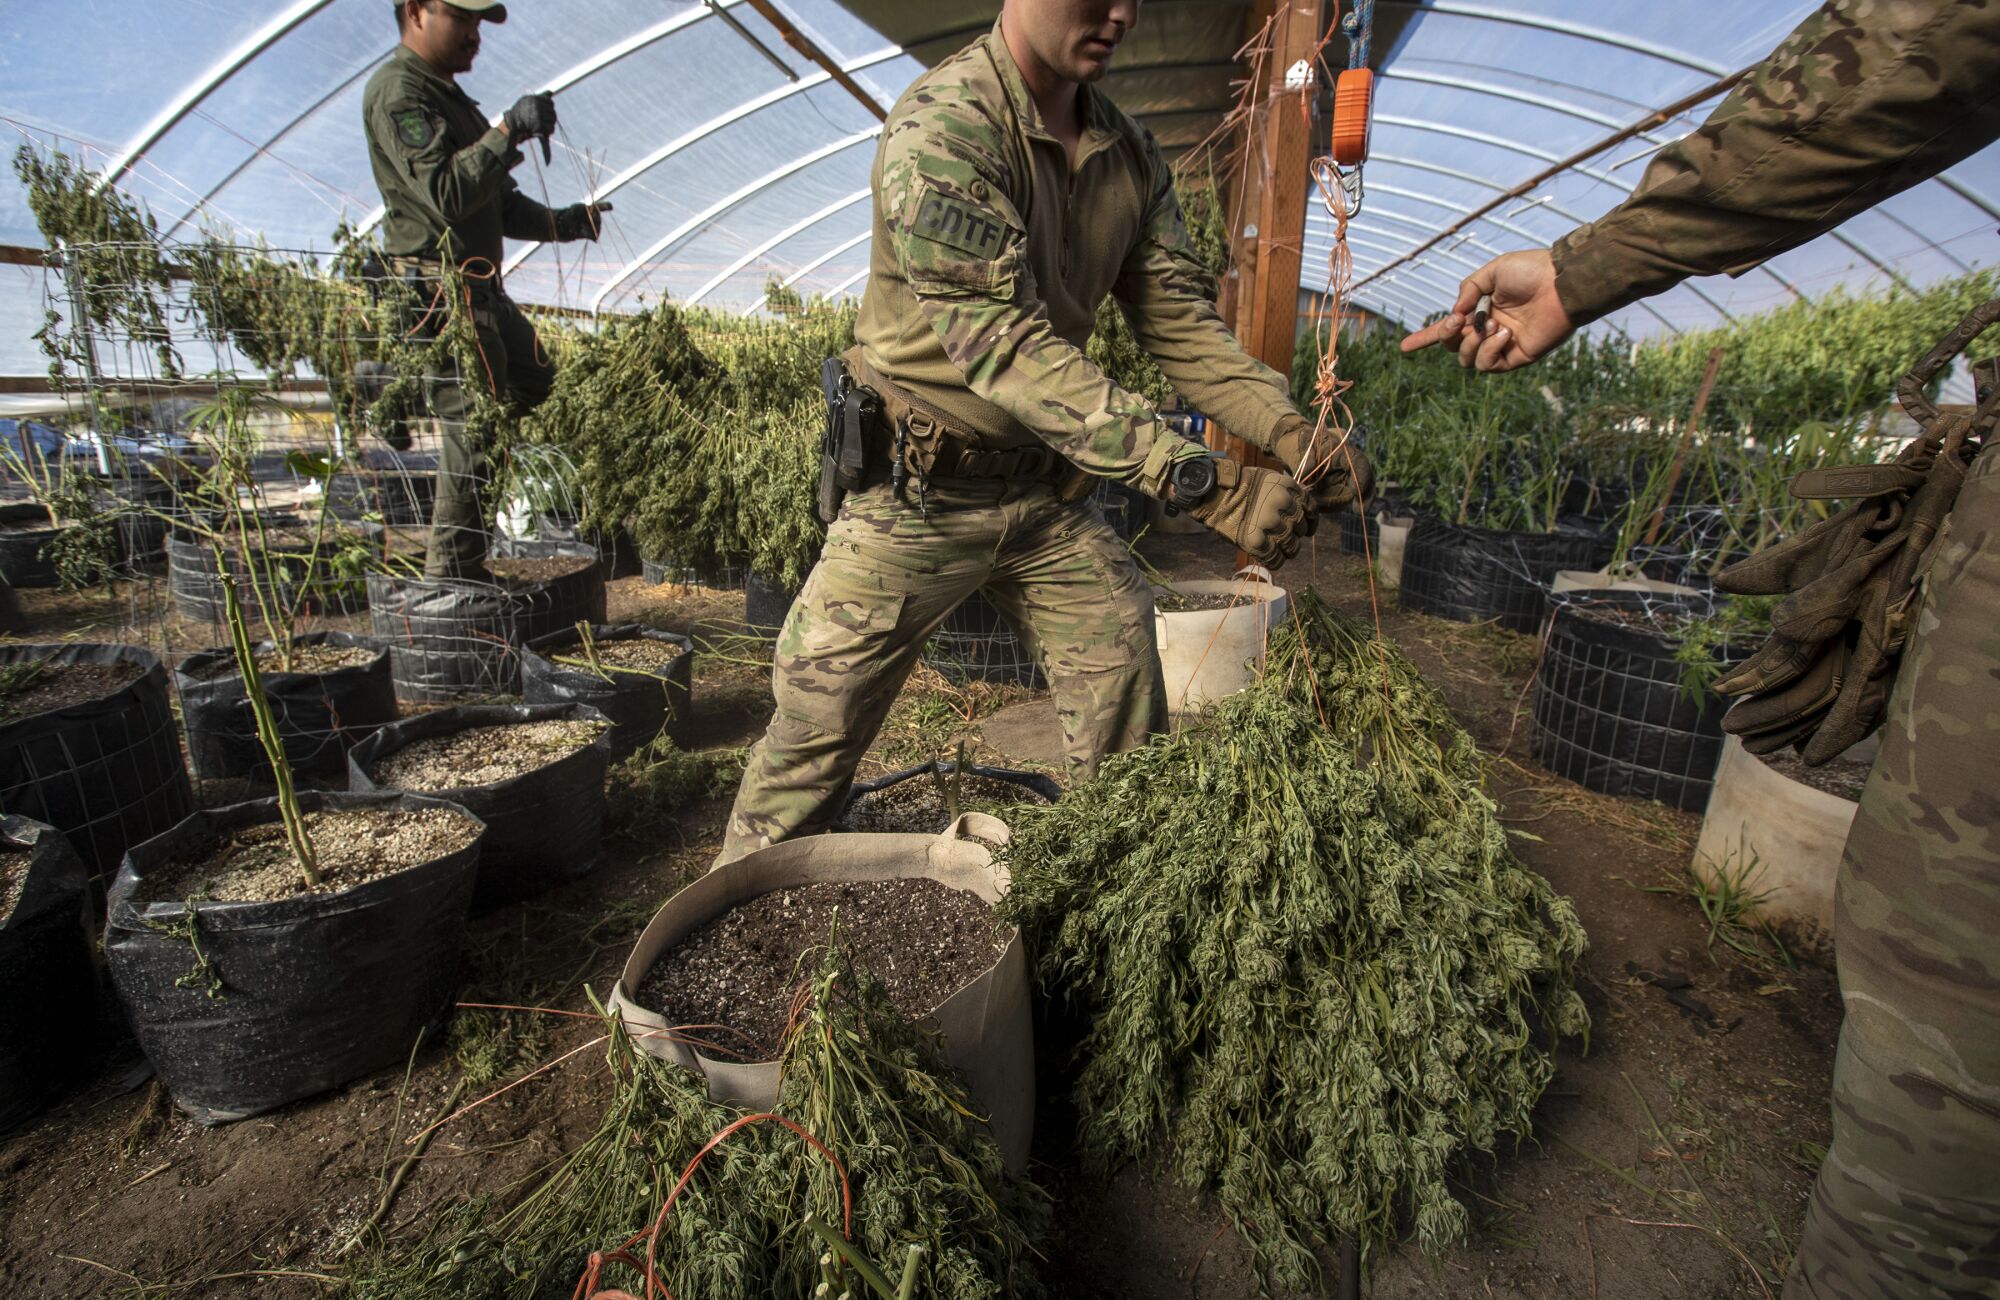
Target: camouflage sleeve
(1169, 299)
(1864, 100)
(452, 183)
(961, 244)
(523, 218)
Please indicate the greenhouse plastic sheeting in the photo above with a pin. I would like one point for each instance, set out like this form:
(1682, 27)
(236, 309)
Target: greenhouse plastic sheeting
(726, 172)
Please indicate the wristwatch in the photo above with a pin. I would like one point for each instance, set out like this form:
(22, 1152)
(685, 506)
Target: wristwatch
(1192, 479)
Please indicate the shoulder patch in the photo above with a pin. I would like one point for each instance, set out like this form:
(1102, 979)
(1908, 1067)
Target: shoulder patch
(958, 225)
(414, 127)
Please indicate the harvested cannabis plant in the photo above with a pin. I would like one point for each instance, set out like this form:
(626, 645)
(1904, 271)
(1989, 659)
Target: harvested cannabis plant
(919, 1167)
(1315, 978)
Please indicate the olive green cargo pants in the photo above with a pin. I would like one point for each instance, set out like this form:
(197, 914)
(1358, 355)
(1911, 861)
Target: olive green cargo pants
(1908, 1200)
(888, 577)
(522, 373)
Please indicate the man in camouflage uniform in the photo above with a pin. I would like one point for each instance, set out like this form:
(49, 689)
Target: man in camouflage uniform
(1865, 99)
(447, 190)
(1010, 198)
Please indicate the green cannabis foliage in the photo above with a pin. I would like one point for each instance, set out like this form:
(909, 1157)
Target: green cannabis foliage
(920, 1165)
(700, 431)
(111, 256)
(1315, 978)
(1593, 429)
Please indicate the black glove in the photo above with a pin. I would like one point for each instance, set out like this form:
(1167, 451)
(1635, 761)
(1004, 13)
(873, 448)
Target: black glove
(532, 116)
(580, 221)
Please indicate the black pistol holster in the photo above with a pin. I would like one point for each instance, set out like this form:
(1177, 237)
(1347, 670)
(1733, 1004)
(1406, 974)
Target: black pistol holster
(852, 412)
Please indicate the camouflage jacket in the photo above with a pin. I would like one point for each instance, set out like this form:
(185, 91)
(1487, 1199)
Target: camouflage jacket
(440, 168)
(1864, 100)
(991, 255)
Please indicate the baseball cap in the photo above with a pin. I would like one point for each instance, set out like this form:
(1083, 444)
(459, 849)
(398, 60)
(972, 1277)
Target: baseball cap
(492, 11)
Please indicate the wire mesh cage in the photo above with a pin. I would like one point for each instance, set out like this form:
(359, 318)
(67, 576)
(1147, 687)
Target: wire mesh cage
(105, 771)
(1472, 575)
(1619, 708)
(977, 643)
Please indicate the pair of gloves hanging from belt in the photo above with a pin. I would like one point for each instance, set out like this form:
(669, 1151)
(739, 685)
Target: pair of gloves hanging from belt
(533, 117)
(1269, 513)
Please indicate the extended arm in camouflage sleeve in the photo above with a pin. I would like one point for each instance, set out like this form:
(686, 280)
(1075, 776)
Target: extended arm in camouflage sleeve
(961, 245)
(1862, 101)
(1169, 299)
(452, 184)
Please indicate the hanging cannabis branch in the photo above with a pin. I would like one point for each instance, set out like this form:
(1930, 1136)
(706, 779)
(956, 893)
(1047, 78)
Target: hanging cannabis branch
(1315, 976)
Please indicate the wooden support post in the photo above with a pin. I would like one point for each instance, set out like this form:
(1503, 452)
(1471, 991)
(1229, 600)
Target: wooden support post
(1269, 208)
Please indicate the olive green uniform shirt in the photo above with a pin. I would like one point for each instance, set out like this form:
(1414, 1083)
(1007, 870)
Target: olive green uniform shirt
(1865, 99)
(991, 254)
(441, 169)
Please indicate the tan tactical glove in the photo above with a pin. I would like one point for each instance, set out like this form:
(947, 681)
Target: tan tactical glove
(1261, 510)
(1326, 462)
(1852, 581)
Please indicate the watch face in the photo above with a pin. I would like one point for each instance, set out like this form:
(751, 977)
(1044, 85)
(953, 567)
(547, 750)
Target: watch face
(1194, 478)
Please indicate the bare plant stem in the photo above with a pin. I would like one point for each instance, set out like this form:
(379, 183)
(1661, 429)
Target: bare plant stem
(267, 729)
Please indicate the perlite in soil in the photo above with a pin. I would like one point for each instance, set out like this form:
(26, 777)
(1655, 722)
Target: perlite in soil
(1316, 980)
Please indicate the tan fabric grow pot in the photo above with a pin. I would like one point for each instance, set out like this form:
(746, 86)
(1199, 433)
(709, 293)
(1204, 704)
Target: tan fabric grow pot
(1206, 654)
(986, 1026)
(1604, 580)
(1392, 533)
(1795, 831)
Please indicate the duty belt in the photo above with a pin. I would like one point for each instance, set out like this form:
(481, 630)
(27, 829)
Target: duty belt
(930, 446)
(951, 454)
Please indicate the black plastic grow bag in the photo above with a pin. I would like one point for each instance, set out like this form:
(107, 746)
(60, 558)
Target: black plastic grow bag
(24, 531)
(320, 716)
(1610, 711)
(316, 990)
(766, 602)
(977, 643)
(107, 772)
(447, 639)
(1036, 783)
(48, 983)
(545, 607)
(195, 582)
(1472, 575)
(401, 496)
(639, 705)
(543, 827)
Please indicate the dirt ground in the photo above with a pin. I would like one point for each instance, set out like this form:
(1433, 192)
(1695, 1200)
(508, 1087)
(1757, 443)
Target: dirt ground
(1672, 1158)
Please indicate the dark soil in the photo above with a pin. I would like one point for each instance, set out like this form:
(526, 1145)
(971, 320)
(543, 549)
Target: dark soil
(1177, 602)
(1842, 777)
(481, 755)
(919, 805)
(1664, 619)
(524, 570)
(353, 846)
(13, 879)
(306, 659)
(642, 655)
(61, 685)
(923, 940)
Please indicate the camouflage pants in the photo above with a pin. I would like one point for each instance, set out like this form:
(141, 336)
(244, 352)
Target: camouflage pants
(887, 579)
(1908, 1201)
(460, 525)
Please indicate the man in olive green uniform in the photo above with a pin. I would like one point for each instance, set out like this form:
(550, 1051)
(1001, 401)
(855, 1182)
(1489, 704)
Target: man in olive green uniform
(1010, 198)
(1865, 99)
(447, 191)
